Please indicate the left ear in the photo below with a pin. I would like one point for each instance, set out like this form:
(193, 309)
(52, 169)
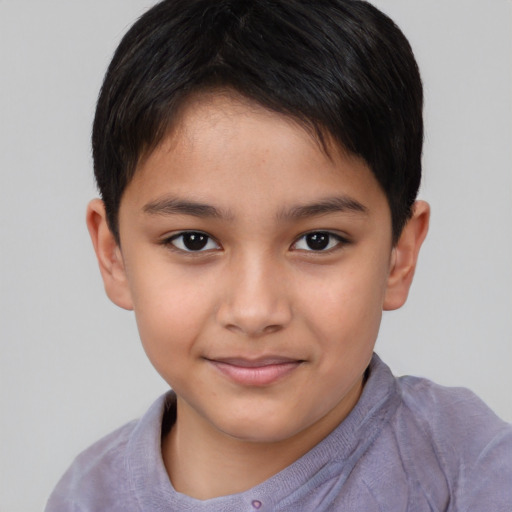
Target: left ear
(405, 256)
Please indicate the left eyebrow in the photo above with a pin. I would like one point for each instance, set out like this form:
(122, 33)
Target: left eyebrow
(340, 204)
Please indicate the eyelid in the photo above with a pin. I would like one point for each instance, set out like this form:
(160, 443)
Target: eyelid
(340, 241)
(169, 240)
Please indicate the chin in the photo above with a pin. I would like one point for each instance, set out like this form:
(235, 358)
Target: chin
(259, 430)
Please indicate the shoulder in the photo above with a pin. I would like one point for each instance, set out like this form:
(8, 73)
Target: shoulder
(90, 476)
(463, 437)
(449, 414)
(99, 477)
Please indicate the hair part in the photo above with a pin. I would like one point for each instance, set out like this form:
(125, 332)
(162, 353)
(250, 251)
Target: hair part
(339, 67)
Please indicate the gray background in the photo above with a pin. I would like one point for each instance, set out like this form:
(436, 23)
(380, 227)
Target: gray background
(72, 368)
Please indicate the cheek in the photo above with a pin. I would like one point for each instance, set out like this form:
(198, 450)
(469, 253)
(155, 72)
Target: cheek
(347, 304)
(171, 312)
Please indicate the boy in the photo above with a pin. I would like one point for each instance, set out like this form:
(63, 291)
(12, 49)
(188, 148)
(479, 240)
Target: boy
(258, 163)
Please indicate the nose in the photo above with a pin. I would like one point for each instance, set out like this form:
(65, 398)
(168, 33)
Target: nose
(256, 299)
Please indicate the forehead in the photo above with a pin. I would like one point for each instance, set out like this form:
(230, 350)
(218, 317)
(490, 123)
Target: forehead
(226, 150)
(211, 121)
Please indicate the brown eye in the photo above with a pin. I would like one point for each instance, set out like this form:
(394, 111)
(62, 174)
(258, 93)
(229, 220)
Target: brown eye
(318, 241)
(193, 241)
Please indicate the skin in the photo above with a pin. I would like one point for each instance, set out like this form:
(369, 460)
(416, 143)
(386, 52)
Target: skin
(263, 336)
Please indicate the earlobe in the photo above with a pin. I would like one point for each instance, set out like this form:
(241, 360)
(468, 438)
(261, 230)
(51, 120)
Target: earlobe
(405, 257)
(108, 253)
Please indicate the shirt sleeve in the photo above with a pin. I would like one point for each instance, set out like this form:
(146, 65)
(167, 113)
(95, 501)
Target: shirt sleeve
(487, 485)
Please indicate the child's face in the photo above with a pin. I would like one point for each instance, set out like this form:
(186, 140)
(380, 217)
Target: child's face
(258, 269)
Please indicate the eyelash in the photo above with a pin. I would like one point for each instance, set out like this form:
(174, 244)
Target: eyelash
(201, 236)
(319, 236)
(334, 241)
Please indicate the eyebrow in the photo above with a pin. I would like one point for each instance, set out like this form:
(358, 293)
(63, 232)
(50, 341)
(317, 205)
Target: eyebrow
(339, 204)
(174, 206)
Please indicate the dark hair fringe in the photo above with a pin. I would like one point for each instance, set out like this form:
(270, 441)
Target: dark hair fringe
(340, 67)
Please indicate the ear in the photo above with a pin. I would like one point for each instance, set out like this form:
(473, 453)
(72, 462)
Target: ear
(405, 256)
(108, 253)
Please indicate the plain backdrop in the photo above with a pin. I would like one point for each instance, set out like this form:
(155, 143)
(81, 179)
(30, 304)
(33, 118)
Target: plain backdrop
(72, 368)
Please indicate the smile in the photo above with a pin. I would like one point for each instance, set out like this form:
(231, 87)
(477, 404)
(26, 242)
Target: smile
(259, 372)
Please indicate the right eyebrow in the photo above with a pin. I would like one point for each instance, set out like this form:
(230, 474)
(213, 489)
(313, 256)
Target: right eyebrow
(174, 206)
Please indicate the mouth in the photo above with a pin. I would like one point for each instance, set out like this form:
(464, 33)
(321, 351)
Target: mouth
(255, 372)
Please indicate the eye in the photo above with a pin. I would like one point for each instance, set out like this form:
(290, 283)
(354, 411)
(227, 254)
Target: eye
(318, 241)
(192, 241)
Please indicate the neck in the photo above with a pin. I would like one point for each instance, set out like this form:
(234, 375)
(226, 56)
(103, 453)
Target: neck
(205, 463)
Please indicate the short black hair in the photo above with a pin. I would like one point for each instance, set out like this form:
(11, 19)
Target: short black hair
(340, 67)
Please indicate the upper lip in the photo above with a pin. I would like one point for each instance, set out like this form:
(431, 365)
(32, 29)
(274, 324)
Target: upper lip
(258, 362)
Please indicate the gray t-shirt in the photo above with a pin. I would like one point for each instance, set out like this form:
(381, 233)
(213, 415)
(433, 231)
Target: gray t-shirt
(408, 445)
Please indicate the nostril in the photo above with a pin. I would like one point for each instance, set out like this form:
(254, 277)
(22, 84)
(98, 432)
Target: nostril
(269, 329)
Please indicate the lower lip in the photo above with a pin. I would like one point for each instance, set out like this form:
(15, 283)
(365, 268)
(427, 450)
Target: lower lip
(258, 375)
